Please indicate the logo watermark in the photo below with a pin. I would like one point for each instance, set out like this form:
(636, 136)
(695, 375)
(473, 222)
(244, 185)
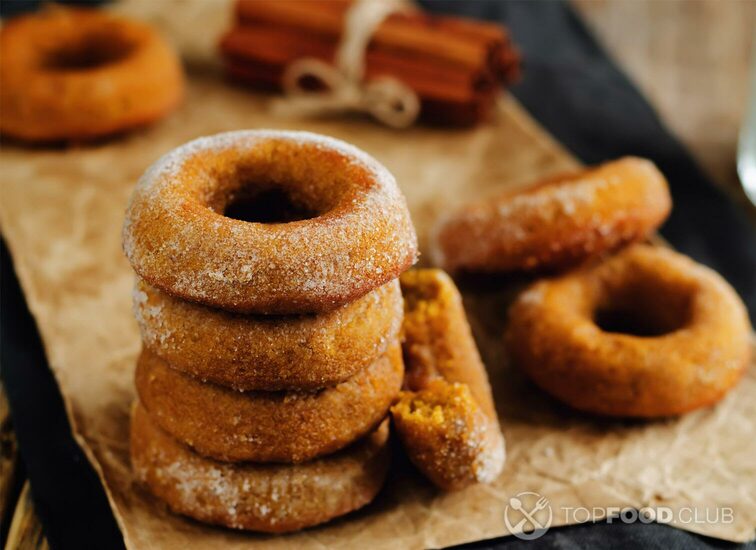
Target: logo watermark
(528, 515)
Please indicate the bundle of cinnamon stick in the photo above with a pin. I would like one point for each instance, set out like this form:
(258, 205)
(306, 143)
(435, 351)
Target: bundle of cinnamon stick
(454, 65)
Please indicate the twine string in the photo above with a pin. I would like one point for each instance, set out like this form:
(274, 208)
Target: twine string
(385, 98)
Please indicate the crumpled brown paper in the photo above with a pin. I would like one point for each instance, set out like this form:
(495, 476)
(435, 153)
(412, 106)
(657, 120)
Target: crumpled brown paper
(61, 213)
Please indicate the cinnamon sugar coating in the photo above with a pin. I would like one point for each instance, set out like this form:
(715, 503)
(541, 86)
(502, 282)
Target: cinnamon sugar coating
(646, 333)
(557, 222)
(178, 240)
(246, 352)
(447, 419)
(271, 498)
(291, 426)
(448, 436)
(76, 75)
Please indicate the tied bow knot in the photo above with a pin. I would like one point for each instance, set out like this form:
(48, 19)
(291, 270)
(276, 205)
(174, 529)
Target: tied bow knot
(385, 98)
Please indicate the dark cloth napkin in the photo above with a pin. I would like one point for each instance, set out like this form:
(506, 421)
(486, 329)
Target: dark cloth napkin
(577, 93)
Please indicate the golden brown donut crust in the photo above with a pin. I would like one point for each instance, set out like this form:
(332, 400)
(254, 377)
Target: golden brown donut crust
(291, 426)
(49, 93)
(695, 348)
(447, 420)
(557, 222)
(271, 498)
(248, 352)
(177, 237)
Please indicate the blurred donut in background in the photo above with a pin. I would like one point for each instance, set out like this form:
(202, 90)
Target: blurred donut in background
(72, 75)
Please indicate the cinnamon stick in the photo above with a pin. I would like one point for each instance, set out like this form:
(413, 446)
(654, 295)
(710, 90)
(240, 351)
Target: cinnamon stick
(454, 65)
(493, 38)
(277, 48)
(321, 17)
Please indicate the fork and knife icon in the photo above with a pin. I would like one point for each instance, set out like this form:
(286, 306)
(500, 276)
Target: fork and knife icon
(528, 515)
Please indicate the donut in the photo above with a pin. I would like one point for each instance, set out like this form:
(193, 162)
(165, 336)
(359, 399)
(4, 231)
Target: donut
(245, 352)
(272, 498)
(340, 229)
(647, 333)
(76, 75)
(446, 419)
(291, 426)
(555, 223)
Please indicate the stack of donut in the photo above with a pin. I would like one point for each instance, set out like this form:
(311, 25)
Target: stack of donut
(271, 351)
(615, 328)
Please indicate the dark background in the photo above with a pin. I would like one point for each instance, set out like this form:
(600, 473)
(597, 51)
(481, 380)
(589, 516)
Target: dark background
(579, 95)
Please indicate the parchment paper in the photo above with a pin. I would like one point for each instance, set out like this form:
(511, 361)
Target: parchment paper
(61, 213)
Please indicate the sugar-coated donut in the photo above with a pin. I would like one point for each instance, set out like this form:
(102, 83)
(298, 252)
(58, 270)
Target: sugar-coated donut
(272, 498)
(291, 426)
(177, 237)
(647, 333)
(446, 419)
(255, 352)
(556, 223)
(77, 74)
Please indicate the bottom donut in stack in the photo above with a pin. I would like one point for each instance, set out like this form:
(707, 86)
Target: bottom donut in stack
(271, 461)
(273, 498)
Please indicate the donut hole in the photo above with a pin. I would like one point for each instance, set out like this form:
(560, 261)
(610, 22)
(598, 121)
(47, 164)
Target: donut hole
(643, 309)
(90, 51)
(633, 322)
(278, 182)
(267, 206)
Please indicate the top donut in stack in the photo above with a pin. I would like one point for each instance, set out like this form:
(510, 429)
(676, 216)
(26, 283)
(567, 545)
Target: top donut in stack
(269, 308)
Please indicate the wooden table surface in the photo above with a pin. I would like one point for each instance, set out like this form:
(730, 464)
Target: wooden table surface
(690, 57)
